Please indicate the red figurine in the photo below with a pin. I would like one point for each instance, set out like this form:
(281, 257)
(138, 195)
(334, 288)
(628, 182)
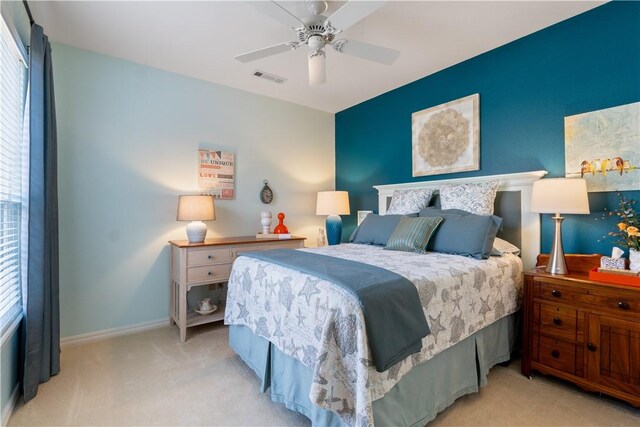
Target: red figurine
(281, 228)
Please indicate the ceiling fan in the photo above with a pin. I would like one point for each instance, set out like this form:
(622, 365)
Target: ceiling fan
(318, 31)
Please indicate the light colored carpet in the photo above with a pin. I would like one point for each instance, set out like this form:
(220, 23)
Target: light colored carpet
(151, 379)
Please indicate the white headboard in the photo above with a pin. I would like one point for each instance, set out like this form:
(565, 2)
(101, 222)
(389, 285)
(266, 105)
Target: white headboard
(522, 182)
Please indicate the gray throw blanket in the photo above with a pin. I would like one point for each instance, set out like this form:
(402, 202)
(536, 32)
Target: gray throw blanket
(390, 303)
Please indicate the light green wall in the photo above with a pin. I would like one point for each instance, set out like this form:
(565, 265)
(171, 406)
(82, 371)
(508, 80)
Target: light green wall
(15, 15)
(127, 144)
(9, 369)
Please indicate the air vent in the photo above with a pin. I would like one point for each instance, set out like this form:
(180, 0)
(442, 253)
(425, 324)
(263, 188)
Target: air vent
(269, 76)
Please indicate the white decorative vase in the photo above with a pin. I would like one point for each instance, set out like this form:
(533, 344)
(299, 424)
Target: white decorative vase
(634, 260)
(265, 220)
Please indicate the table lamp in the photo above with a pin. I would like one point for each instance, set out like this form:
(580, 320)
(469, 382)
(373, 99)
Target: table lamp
(196, 209)
(559, 195)
(333, 203)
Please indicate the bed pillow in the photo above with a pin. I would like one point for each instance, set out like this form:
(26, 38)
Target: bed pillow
(463, 233)
(501, 247)
(474, 198)
(375, 229)
(404, 202)
(413, 234)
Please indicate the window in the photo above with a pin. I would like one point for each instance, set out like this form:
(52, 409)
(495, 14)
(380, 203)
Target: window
(13, 158)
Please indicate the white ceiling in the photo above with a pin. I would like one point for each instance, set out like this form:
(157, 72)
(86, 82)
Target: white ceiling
(200, 39)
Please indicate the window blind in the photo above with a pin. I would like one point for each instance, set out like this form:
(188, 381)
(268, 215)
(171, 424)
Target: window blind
(12, 156)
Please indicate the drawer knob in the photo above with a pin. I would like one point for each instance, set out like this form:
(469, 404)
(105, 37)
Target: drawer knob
(210, 257)
(555, 354)
(623, 305)
(557, 321)
(591, 347)
(556, 293)
(210, 273)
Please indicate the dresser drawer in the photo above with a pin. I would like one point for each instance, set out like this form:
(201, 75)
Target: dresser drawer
(556, 292)
(292, 244)
(207, 256)
(614, 300)
(236, 252)
(557, 354)
(557, 321)
(621, 305)
(208, 273)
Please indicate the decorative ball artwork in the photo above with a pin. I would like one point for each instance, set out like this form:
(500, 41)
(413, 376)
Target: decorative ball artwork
(446, 138)
(281, 228)
(266, 194)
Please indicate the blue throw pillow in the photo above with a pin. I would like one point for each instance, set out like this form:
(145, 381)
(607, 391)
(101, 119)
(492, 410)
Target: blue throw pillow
(463, 233)
(413, 234)
(375, 229)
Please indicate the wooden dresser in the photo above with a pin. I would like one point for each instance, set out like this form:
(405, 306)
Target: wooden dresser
(583, 331)
(209, 263)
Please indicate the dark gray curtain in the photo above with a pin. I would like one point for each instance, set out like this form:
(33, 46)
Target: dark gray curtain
(41, 332)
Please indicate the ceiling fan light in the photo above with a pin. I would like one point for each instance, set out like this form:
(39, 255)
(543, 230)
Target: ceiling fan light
(317, 68)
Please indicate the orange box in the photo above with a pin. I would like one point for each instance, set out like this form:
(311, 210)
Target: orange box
(618, 279)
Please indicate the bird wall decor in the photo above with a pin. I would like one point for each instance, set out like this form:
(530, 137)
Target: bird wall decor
(605, 165)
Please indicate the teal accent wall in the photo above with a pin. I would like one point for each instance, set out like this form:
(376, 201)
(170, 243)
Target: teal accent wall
(527, 87)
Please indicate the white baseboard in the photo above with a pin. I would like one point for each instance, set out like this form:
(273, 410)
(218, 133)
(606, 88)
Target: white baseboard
(113, 332)
(8, 410)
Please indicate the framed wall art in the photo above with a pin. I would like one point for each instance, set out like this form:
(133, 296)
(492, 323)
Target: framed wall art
(446, 138)
(603, 147)
(216, 174)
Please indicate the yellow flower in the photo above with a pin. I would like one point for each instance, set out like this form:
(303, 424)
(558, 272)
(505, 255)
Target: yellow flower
(633, 231)
(622, 226)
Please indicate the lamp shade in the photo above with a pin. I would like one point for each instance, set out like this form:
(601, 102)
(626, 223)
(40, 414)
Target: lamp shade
(196, 208)
(560, 195)
(332, 203)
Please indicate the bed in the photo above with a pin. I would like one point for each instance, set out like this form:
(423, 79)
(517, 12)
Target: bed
(305, 338)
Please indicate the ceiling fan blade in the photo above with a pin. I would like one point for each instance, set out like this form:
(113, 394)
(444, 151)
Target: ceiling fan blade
(367, 51)
(352, 12)
(266, 51)
(278, 12)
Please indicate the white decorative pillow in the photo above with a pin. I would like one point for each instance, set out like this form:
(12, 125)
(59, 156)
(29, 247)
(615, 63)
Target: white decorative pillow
(405, 202)
(501, 247)
(474, 198)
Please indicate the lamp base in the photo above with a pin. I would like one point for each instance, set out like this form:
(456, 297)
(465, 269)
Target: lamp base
(334, 229)
(196, 231)
(557, 263)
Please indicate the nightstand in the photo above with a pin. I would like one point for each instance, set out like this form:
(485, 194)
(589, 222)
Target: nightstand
(208, 263)
(582, 331)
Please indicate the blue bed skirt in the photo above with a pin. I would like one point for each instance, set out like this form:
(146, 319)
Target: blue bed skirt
(414, 401)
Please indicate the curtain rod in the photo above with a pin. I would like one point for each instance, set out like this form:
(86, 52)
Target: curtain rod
(26, 7)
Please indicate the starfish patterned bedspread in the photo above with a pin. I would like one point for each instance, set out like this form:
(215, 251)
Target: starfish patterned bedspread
(322, 325)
